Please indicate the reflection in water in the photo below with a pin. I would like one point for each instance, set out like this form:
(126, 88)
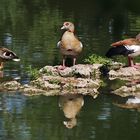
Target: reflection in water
(39, 117)
(7, 39)
(131, 102)
(12, 104)
(71, 106)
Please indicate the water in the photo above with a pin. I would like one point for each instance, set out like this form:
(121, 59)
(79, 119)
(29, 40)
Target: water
(32, 30)
(42, 117)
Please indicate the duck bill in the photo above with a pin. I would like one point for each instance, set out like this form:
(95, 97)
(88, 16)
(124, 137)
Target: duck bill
(63, 27)
(16, 59)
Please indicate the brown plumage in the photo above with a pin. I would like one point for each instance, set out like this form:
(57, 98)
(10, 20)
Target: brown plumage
(69, 44)
(6, 55)
(71, 106)
(127, 47)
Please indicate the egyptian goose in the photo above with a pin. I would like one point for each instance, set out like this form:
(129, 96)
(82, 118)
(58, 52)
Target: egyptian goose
(5, 55)
(128, 47)
(69, 44)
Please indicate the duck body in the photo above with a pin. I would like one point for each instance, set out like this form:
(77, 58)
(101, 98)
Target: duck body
(69, 44)
(6, 55)
(128, 47)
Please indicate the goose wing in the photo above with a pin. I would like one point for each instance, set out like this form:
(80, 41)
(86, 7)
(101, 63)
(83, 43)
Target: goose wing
(130, 41)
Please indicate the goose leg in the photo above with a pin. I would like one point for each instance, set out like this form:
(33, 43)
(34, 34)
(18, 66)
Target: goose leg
(64, 61)
(62, 67)
(131, 63)
(74, 61)
(1, 65)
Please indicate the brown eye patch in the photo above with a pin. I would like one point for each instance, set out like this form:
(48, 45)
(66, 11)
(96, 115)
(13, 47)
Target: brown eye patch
(67, 24)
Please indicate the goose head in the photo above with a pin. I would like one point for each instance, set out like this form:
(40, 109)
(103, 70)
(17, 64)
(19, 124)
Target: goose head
(6, 54)
(69, 26)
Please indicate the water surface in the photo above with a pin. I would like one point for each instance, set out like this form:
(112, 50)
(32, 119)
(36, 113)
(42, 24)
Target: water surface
(32, 29)
(42, 117)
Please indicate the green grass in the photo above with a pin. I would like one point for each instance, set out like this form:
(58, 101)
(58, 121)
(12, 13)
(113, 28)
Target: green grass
(96, 59)
(33, 72)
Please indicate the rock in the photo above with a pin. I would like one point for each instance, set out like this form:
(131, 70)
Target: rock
(124, 72)
(46, 82)
(67, 72)
(49, 70)
(10, 85)
(57, 82)
(125, 91)
(31, 91)
(78, 79)
(80, 70)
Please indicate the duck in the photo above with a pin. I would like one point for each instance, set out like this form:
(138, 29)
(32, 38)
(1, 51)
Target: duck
(128, 47)
(69, 45)
(6, 55)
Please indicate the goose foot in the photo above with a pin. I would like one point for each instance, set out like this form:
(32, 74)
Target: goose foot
(61, 67)
(137, 66)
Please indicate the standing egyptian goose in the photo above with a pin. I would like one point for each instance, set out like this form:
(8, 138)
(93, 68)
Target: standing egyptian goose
(69, 44)
(5, 55)
(128, 47)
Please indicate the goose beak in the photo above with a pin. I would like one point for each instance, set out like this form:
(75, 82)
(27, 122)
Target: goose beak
(63, 27)
(16, 59)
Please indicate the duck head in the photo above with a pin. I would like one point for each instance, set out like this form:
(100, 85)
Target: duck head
(6, 54)
(69, 26)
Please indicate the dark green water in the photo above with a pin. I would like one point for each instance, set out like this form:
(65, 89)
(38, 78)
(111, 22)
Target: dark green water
(32, 28)
(41, 118)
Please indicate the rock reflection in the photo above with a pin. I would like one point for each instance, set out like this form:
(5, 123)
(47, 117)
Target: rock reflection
(1, 74)
(71, 106)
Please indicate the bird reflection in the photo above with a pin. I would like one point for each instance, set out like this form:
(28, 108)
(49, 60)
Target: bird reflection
(132, 102)
(71, 106)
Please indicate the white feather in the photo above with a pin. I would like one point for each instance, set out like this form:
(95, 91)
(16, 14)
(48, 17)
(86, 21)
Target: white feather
(81, 45)
(58, 44)
(135, 48)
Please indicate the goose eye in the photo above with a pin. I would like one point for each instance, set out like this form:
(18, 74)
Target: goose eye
(7, 54)
(67, 24)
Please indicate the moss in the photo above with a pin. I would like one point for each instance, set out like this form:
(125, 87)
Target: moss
(47, 72)
(54, 81)
(95, 59)
(33, 72)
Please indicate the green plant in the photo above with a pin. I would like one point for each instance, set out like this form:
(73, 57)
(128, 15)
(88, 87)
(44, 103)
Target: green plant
(33, 72)
(47, 72)
(96, 59)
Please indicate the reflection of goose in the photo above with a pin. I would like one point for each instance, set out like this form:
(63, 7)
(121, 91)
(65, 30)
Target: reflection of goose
(128, 47)
(131, 103)
(134, 100)
(71, 105)
(5, 55)
(69, 44)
